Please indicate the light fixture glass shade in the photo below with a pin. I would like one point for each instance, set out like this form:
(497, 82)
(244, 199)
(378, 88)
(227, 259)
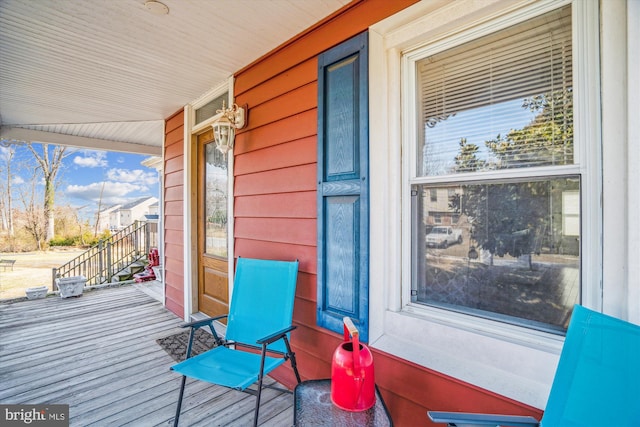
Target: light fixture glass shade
(224, 133)
(224, 128)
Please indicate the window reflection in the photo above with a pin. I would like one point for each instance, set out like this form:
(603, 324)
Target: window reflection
(216, 189)
(506, 250)
(503, 101)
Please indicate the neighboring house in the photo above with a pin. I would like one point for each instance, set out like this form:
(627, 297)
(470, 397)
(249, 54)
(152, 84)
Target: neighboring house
(108, 218)
(120, 216)
(136, 210)
(349, 123)
(114, 219)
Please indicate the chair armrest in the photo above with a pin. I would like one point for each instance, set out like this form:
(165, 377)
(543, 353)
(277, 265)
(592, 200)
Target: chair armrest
(275, 336)
(463, 419)
(200, 323)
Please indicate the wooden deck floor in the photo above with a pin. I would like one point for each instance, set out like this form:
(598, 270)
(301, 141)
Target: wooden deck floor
(97, 353)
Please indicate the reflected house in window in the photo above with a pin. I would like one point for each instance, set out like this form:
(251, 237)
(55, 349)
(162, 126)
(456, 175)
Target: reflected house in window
(518, 257)
(442, 206)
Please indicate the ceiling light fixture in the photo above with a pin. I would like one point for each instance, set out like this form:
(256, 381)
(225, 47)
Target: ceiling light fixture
(156, 7)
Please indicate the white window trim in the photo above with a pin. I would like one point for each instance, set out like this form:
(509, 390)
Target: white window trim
(191, 128)
(630, 125)
(513, 361)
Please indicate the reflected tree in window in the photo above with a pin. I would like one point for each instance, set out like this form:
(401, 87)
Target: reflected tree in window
(510, 218)
(216, 201)
(547, 140)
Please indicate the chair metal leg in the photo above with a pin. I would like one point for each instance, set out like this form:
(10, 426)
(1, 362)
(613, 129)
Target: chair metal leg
(294, 365)
(177, 417)
(191, 335)
(257, 411)
(292, 359)
(260, 378)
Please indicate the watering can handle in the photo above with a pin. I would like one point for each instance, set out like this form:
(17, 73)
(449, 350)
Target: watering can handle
(351, 330)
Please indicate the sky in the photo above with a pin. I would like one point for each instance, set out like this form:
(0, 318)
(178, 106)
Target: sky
(87, 178)
(476, 125)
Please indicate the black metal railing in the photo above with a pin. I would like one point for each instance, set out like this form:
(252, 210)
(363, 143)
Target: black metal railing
(100, 263)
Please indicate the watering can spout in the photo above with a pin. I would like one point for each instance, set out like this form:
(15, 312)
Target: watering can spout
(352, 374)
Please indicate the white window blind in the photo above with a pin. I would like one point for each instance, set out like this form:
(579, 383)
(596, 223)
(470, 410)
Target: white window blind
(502, 101)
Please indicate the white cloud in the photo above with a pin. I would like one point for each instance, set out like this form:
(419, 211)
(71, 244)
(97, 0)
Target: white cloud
(137, 176)
(17, 180)
(107, 194)
(4, 153)
(91, 159)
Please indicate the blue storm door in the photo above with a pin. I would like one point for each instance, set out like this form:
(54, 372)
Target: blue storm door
(343, 186)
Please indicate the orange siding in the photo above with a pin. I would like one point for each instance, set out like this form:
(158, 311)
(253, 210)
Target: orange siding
(173, 179)
(174, 213)
(285, 205)
(294, 127)
(298, 152)
(297, 178)
(283, 230)
(284, 106)
(275, 210)
(298, 76)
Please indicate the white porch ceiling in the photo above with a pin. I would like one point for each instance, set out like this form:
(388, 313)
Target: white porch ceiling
(94, 73)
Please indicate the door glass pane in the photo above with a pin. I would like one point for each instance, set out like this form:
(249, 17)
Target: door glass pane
(508, 251)
(216, 189)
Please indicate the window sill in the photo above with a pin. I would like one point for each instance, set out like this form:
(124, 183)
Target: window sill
(515, 367)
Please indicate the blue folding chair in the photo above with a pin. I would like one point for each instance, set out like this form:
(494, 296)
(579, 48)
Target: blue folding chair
(260, 318)
(597, 382)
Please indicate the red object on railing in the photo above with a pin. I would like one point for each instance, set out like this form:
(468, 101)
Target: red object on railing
(148, 274)
(352, 375)
(154, 257)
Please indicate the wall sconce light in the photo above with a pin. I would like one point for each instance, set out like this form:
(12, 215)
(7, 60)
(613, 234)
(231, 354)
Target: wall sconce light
(224, 128)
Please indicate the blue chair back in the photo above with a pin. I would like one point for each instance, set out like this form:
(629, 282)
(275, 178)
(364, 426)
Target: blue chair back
(262, 300)
(597, 382)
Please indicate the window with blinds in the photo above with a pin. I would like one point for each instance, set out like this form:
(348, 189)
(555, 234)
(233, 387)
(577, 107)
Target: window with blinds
(503, 101)
(504, 245)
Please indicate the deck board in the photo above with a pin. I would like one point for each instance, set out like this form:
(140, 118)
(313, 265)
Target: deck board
(98, 353)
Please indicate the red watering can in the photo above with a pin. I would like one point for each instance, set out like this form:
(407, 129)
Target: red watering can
(352, 378)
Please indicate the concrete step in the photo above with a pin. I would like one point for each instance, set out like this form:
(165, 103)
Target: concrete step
(122, 276)
(136, 267)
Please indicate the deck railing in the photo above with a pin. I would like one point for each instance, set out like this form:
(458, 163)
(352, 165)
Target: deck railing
(100, 263)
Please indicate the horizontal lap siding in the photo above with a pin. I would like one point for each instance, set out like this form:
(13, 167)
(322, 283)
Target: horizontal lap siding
(174, 213)
(286, 205)
(286, 180)
(275, 167)
(283, 230)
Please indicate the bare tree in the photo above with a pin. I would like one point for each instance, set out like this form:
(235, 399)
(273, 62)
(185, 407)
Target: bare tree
(98, 216)
(50, 167)
(33, 213)
(6, 202)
